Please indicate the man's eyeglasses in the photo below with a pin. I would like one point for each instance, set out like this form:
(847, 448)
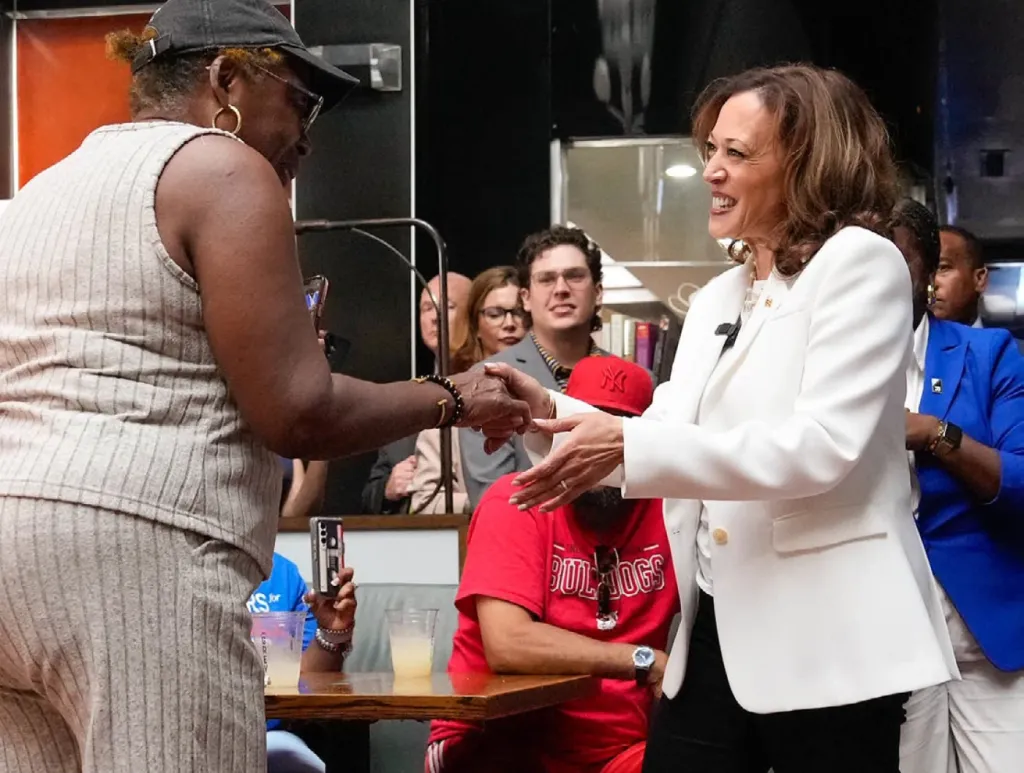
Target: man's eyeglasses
(607, 561)
(574, 277)
(308, 103)
(498, 313)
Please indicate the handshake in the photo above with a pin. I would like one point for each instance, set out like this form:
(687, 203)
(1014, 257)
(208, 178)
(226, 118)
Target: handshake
(500, 401)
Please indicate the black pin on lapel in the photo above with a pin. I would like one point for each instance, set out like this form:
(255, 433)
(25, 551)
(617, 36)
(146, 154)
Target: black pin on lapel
(937, 386)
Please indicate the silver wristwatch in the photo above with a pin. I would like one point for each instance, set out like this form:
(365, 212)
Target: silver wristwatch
(643, 661)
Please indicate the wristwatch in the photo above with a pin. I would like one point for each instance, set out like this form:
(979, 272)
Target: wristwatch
(643, 660)
(948, 439)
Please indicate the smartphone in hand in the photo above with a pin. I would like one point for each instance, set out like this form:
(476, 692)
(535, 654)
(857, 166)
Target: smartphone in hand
(316, 296)
(327, 540)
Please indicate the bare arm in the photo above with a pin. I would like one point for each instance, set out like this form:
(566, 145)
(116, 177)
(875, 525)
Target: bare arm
(515, 643)
(221, 208)
(306, 496)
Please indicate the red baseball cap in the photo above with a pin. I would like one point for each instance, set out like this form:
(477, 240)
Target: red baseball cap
(612, 384)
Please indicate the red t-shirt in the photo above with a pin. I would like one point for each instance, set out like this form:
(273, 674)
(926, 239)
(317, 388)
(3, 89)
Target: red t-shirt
(545, 563)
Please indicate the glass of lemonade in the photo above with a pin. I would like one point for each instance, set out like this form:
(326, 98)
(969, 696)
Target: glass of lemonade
(411, 632)
(278, 640)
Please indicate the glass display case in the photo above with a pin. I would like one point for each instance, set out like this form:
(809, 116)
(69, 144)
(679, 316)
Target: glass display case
(644, 202)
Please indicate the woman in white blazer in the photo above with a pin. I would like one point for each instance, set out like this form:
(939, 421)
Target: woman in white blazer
(809, 611)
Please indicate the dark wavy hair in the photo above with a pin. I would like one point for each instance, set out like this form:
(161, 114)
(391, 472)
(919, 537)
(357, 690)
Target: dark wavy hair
(837, 161)
(555, 236)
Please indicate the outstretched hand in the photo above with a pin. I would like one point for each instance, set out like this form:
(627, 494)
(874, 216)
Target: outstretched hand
(587, 456)
(524, 387)
(489, 406)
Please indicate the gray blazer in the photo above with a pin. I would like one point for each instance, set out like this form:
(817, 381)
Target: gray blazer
(480, 468)
(374, 502)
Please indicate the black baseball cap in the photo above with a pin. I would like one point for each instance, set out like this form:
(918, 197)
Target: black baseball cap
(192, 26)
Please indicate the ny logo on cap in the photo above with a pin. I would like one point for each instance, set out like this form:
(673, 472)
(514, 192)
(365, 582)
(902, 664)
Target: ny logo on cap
(613, 379)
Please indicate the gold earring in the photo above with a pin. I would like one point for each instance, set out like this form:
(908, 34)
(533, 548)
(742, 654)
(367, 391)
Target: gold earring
(931, 295)
(238, 118)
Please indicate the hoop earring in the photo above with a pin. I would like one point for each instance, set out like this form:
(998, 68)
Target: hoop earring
(238, 119)
(931, 295)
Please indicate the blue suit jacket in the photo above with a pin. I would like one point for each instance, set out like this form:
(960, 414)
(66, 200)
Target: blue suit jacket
(974, 378)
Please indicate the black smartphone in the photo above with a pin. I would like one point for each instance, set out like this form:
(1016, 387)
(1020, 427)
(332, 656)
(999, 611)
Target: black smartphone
(316, 296)
(327, 541)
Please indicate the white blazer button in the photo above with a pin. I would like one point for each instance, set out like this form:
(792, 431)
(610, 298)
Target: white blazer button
(720, 536)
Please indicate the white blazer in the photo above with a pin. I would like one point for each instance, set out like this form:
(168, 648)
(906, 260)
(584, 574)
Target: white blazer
(823, 593)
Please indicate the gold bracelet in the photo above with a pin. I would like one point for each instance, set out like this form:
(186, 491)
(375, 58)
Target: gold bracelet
(443, 405)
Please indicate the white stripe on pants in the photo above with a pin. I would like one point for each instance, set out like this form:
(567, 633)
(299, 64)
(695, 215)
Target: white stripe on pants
(975, 725)
(124, 646)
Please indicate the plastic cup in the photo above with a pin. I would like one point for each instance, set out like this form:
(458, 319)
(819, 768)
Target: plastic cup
(411, 632)
(278, 640)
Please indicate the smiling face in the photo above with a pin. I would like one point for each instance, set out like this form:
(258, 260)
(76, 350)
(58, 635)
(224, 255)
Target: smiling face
(744, 169)
(562, 294)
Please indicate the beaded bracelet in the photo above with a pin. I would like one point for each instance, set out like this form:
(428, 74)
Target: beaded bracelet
(322, 641)
(460, 406)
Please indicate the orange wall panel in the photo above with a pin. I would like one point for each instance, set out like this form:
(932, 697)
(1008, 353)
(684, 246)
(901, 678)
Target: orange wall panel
(66, 86)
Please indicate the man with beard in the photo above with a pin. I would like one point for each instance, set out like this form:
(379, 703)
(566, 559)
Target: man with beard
(586, 589)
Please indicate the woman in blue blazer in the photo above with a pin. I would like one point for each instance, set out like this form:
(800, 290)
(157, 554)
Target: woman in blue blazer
(965, 429)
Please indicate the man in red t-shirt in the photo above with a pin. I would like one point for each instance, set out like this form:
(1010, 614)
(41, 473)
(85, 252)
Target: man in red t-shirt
(586, 589)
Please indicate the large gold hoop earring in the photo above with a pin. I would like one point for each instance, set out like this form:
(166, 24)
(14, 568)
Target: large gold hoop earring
(238, 119)
(931, 295)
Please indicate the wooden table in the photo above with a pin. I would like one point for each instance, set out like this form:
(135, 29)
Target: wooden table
(470, 697)
(359, 699)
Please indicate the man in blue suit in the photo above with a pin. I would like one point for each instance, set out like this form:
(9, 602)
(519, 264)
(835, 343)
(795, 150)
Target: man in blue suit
(965, 429)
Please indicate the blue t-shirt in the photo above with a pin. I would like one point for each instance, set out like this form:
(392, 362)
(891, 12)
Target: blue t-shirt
(283, 592)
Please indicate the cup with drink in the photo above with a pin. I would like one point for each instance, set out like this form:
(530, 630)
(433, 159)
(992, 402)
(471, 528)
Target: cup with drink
(411, 632)
(278, 640)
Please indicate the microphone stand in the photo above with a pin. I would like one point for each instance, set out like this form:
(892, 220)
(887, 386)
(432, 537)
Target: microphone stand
(360, 226)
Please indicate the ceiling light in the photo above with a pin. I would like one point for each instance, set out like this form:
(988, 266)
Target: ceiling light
(680, 171)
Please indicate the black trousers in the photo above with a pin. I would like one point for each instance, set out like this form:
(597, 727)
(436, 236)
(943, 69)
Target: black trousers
(704, 730)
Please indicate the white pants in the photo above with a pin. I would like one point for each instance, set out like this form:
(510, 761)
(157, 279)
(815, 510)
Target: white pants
(975, 725)
(287, 753)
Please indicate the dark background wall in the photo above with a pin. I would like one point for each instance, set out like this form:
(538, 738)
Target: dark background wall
(483, 125)
(361, 168)
(888, 46)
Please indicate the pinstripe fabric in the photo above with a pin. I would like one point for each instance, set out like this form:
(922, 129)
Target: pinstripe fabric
(124, 646)
(109, 393)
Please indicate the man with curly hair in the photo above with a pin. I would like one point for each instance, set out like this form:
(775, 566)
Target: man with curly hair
(560, 276)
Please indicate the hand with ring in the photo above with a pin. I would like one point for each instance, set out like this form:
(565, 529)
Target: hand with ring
(589, 455)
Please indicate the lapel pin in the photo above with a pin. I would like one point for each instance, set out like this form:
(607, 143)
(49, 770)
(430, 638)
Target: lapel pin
(937, 386)
(767, 303)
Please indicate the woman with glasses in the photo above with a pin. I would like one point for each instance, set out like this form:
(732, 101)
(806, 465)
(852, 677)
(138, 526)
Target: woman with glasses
(492, 321)
(156, 357)
(495, 319)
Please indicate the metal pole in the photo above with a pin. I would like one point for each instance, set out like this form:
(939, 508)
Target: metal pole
(443, 361)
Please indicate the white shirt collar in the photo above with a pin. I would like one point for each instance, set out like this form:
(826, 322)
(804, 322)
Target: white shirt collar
(977, 322)
(921, 342)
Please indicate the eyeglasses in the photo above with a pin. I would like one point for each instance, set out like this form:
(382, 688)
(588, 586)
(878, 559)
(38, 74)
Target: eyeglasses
(310, 104)
(607, 561)
(573, 277)
(498, 313)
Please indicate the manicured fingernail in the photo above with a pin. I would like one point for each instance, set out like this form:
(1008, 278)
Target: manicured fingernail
(523, 507)
(513, 500)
